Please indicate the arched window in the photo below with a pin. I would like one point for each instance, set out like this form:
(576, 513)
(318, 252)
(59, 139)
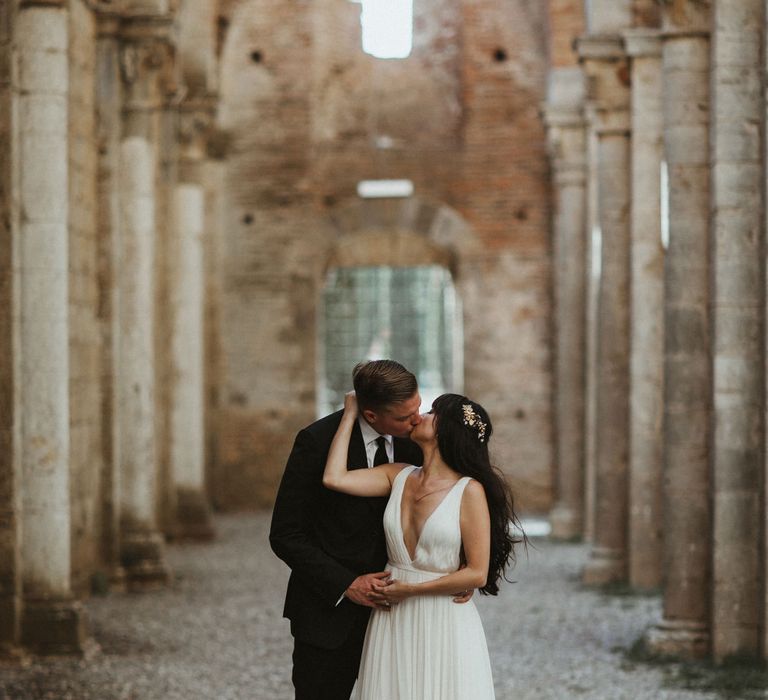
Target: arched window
(408, 314)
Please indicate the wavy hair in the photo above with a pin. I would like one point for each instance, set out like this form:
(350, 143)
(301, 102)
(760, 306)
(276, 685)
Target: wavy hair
(462, 449)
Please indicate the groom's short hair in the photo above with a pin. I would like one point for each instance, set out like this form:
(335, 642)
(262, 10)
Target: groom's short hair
(379, 383)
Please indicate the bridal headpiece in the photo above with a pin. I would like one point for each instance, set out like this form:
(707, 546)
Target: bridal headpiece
(472, 420)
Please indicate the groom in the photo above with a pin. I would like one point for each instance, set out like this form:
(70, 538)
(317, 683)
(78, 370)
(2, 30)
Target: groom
(334, 543)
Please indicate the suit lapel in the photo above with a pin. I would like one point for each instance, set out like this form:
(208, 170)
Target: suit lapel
(356, 456)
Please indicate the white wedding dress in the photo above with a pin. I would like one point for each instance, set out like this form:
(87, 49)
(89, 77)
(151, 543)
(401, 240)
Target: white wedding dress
(427, 647)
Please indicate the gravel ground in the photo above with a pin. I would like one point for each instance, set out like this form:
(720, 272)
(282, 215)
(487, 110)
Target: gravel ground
(218, 633)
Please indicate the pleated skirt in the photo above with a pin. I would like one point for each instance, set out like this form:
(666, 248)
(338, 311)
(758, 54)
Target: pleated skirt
(425, 648)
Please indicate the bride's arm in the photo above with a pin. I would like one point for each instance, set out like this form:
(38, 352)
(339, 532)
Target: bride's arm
(358, 482)
(476, 538)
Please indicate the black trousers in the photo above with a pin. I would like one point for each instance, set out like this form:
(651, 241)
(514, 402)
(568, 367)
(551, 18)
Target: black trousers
(327, 674)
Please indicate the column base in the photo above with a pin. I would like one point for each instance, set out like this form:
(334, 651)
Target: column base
(605, 566)
(680, 639)
(56, 628)
(194, 520)
(118, 580)
(12, 656)
(565, 522)
(143, 558)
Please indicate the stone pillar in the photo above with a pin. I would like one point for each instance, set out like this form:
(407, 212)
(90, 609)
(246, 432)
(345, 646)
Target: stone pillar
(109, 103)
(738, 324)
(590, 349)
(10, 473)
(647, 303)
(187, 279)
(145, 55)
(684, 631)
(608, 79)
(565, 123)
(52, 621)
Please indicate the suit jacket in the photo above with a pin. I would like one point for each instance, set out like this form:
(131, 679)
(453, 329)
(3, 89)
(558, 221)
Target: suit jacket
(327, 538)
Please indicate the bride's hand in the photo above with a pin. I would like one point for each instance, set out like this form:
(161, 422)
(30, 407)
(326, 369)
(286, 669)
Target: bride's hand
(350, 403)
(396, 591)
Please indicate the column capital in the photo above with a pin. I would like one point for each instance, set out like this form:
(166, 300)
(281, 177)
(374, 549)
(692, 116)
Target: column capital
(600, 47)
(196, 119)
(642, 43)
(148, 63)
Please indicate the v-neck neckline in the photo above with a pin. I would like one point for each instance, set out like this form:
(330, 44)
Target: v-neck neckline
(412, 559)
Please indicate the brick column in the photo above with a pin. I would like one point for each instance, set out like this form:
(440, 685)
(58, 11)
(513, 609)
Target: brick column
(607, 74)
(566, 134)
(52, 621)
(684, 630)
(145, 55)
(647, 322)
(187, 280)
(738, 324)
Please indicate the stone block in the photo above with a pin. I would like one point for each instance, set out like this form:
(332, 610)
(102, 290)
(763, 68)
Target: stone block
(679, 639)
(43, 185)
(56, 628)
(142, 555)
(44, 28)
(686, 57)
(43, 72)
(43, 114)
(687, 145)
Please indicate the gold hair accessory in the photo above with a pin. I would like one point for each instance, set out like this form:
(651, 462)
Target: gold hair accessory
(473, 421)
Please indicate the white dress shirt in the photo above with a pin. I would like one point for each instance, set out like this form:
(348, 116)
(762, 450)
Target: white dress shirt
(369, 438)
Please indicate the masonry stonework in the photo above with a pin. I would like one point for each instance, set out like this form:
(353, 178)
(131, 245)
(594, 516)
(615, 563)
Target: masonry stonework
(459, 118)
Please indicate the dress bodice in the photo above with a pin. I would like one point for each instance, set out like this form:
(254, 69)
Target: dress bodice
(439, 547)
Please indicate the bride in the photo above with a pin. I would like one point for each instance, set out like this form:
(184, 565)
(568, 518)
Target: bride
(447, 530)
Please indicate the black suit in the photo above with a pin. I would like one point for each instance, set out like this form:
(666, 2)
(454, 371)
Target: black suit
(327, 539)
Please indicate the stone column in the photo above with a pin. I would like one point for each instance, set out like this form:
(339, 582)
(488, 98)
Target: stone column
(738, 324)
(10, 473)
(52, 621)
(687, 393)
(145, 54)
(187, 279)
(607, 74)
(647, 303)
(590, 332)
(109, 103)
(565, 123)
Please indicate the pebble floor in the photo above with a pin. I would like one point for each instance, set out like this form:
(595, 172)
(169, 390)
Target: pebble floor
(217, 633)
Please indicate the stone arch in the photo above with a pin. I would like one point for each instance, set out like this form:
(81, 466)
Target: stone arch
(399, 233)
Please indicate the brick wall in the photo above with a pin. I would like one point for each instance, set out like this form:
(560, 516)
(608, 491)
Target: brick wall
(566, 23)
(304, 109)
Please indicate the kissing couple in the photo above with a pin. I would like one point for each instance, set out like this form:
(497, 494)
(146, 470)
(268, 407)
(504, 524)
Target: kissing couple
(389, 519)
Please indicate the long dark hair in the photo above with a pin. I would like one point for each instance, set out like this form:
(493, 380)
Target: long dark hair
(463, 429)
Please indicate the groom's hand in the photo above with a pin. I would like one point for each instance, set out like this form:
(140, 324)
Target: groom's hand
(463, 596)
(363, 592)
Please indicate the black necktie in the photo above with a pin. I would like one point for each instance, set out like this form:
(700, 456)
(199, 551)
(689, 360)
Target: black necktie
(381, 452)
